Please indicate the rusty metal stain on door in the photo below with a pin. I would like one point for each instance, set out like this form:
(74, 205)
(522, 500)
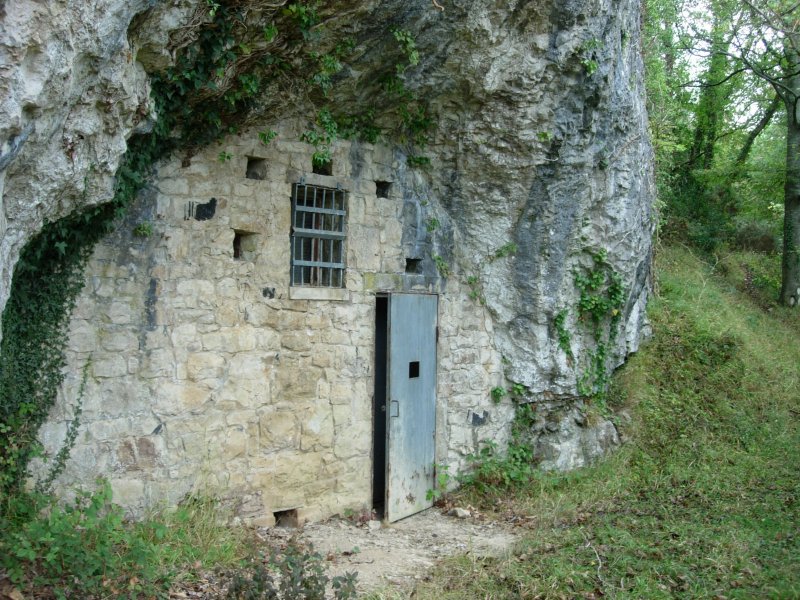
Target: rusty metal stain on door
(411, 418)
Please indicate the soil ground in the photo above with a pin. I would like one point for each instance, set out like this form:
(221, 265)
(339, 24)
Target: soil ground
(398, 554)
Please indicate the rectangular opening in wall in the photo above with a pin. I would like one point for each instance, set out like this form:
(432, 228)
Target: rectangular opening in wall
(286, 518)
(244, 245)
(322, 167)
(256, 168)
(413, 369)
(414, 266)
(382, 188)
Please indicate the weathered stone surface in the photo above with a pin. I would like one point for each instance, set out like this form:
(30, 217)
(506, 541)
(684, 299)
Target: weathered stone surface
(566, 438)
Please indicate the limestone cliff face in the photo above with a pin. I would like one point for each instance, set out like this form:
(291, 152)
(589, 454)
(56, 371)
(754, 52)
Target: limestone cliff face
(542, 142)
(71, 93)
(539, 144)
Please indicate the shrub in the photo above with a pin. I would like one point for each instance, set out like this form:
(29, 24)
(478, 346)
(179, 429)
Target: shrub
(758, 236)
(83, 549)
(296, 573)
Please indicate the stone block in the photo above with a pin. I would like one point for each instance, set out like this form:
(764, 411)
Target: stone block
(247, 366)
(363, 248)
(83, 336)
(228, 315)
(204, 365)
(112, 366)
(235, 443)
(173, 186)
(262, 315)
(228, 288)
(316, 428)
(244, 189)
(322, 356)
(335, 337)
(267, 339)
(118, 340)
(229, 339)
(196, 293)
(120, 313)
(298, 341)
(278, 429)
(128, 492)
(185, 337)
(234, 397)
(158, 363)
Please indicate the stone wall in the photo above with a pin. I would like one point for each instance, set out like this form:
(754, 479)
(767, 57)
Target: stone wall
(207, 372)
(204, 371)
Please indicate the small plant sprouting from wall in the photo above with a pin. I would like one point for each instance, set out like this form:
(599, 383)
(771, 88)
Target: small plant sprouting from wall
(492, 473)
(498, 393)
(517, 392)
(599, 311)
(438, 493)
(143, 229)
(564, 338)
(266, 137)
(441, 265)
(588, 55)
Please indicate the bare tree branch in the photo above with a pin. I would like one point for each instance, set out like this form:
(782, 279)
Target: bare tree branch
(756, 131)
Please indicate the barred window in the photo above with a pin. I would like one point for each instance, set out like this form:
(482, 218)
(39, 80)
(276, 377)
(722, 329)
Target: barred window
(318, 236)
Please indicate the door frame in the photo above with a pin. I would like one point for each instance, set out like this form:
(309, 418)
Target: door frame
(382, 439)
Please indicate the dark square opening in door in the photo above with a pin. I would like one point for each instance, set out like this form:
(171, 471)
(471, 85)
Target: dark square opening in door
(413, 369)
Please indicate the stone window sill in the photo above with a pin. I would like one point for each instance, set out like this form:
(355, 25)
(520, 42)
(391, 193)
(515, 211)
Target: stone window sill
(319, 293)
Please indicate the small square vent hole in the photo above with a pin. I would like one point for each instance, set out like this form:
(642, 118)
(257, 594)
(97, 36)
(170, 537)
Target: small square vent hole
(286, 518)
(382, 188)
(324, 167)
(256, 168)
(414, 266)
(244, 245)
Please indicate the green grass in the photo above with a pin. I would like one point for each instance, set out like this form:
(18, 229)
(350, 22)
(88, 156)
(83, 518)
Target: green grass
(704, 500)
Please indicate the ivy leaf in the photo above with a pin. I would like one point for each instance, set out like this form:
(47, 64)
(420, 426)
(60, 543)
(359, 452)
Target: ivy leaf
(61, 247)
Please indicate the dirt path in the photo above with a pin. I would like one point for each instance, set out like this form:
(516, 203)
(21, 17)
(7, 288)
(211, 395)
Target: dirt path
(398, 554)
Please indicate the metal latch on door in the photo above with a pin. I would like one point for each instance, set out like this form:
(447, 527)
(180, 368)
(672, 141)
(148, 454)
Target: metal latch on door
(394, 408)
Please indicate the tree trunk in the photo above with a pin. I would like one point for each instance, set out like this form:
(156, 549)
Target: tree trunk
(790, 287)
(713, 97)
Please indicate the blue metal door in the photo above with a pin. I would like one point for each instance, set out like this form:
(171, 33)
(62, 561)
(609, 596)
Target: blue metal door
(411, 418)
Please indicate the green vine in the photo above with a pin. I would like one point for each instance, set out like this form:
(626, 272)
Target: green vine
(588, 55)
(60, 459)
(599, 308)
(564, 338)
(441, 265)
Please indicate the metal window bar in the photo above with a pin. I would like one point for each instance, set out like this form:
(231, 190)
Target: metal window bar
(318, 235)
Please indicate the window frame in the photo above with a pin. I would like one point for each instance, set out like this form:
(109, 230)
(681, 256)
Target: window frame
(318, 237)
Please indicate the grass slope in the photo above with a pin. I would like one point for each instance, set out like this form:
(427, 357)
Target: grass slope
(704, 501)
